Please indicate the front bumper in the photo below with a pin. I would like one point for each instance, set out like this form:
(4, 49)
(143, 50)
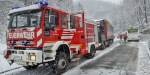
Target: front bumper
(133, 39)
(26, 57)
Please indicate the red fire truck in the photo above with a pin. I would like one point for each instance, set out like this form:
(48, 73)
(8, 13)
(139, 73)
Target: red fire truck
(40, 34)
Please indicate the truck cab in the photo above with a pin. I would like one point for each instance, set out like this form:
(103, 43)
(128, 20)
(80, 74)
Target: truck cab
(32, 33)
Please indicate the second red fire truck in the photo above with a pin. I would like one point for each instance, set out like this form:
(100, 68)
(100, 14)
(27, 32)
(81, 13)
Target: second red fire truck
(39, 34)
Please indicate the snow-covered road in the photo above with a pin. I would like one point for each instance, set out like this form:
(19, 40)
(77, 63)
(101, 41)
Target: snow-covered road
(46, 70)
(121, 61)
(143, 59)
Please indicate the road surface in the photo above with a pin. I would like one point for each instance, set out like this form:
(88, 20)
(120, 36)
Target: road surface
(122, 58)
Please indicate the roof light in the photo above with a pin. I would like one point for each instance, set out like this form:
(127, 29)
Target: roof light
(39, 2)
(16, 7)
(42, 2)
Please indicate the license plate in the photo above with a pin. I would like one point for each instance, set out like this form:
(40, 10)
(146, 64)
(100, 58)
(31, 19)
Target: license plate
(17, 57)
(18, 42)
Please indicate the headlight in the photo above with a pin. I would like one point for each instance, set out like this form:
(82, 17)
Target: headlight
(32, 57)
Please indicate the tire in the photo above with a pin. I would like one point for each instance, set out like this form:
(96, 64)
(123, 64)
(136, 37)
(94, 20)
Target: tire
(108, 43)
(61, 63)
(103, 46)
(92, 52)
(112, 40)
(30, 67)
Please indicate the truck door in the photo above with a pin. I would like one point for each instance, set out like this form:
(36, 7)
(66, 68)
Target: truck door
(51, 21)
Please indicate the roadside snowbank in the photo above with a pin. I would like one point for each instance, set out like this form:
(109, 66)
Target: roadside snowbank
(2, 48)
(4, 64)
(143, 59)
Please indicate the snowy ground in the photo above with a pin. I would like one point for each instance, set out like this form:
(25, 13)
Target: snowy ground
(4, 64)
(78, 71)
(143, 59)
(143, 63)
(142, 68)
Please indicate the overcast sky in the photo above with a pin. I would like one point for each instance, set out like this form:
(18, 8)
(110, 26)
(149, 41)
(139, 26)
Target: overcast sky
(113, 1)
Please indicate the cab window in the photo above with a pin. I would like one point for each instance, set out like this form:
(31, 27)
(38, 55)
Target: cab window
(52, 13)
(64, 21)
(55, 14)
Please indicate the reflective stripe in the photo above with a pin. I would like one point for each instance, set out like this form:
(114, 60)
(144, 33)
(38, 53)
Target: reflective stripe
(68, 34)
(39, 32)
(39, 42)
(66, 37)
(49, 44)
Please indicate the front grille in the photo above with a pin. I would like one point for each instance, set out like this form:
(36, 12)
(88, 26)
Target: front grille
(21, 48)
(21, 42)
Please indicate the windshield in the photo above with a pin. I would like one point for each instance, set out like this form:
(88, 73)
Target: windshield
(30, 18)
(133, 31)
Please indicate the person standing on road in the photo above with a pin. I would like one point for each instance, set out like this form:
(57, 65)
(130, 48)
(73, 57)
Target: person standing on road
(125, 38)
(120, 37)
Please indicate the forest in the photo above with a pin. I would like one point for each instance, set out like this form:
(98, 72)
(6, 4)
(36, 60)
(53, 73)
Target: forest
(129, 13)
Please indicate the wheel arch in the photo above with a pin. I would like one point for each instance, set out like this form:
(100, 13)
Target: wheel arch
(59, 44)
(89, 46)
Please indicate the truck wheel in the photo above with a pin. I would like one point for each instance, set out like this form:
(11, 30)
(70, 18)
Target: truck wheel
(61, 63)
(108, 44)
(112, 40)
(92, 52)
(103, 46)
(30, 67)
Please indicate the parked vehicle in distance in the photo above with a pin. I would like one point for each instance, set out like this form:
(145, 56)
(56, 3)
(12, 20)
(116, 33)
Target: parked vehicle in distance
(133, 34)
(105, 33)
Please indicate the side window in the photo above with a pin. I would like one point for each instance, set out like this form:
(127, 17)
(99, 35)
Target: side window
(14, 22)
(64, 21)
(46, 23)
(72, 22)
(55, 14)
(75, 22)
(47, 19)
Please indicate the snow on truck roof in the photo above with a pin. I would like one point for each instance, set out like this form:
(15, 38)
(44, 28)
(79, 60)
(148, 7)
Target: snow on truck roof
(31, 7)
(90, 21)
(103, 19)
